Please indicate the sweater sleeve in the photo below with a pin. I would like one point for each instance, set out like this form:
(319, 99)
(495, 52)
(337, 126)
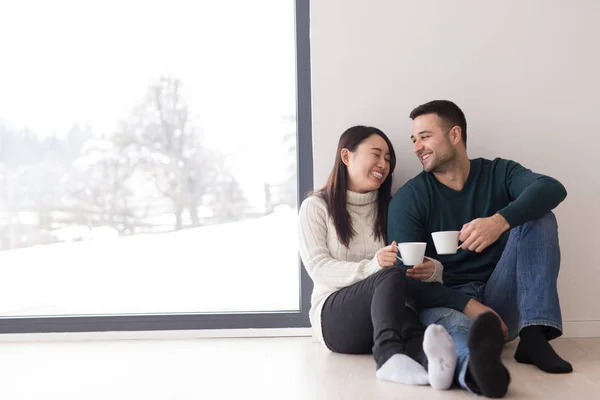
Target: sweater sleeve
(438, 272)
(322, 268)
(533, 195)
(406, 223)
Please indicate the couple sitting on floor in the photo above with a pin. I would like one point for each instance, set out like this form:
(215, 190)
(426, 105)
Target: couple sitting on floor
(500, 284)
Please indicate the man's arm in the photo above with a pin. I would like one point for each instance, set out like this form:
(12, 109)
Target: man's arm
(533, 195)
(406, 223)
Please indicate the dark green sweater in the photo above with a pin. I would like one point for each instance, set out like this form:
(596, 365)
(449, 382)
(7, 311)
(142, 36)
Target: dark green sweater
(424, 205)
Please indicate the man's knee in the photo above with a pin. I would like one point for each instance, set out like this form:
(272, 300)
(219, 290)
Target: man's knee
(541, 233)
(546, 223)
(449, 318)
(548, 220)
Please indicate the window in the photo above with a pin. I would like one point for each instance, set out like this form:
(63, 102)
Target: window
(152, 159)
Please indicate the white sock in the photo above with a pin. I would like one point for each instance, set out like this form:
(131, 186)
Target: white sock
(441, 356)
(402, 369)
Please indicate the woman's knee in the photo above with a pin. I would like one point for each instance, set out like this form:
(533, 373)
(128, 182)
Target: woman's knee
(392, 273)
(393, 276)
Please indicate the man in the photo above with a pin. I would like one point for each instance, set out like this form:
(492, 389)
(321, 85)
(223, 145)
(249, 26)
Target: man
(504, 274)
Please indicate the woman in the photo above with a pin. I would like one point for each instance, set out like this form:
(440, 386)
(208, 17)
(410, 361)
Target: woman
(359, 295)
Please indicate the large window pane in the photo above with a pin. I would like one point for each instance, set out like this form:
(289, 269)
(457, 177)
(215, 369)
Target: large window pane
(148, 159)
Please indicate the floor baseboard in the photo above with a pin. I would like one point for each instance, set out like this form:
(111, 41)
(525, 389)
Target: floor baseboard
(581, 329)
(572, 329)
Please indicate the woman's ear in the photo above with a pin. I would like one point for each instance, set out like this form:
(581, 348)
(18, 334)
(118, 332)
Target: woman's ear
(345, 155)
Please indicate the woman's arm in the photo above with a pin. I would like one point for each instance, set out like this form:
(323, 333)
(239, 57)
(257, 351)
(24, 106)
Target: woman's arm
(321, 266)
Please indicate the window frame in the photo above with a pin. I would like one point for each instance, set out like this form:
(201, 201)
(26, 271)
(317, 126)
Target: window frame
(206, 321)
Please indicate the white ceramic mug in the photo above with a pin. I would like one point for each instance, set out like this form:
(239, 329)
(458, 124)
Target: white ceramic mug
(412, 253)
(446, 242)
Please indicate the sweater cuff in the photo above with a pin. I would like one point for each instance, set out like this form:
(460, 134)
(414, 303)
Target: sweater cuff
(511, 216)
(460, 301)
(438, 272)
(373, 265)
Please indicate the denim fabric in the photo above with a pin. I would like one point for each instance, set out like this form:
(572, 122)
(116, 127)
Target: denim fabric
(522, 289)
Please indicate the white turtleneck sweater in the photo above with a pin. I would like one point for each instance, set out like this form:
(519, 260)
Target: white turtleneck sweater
(331, 265)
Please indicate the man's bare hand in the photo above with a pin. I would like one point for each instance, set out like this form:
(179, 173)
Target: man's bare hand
(474, 308)
(478, 234)
(421, 271)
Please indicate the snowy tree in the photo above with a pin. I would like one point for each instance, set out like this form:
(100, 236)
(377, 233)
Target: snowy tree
(7, 236)
(99, 186)
(31, 192)
(285, 191)
(228, 201)
(167, 145)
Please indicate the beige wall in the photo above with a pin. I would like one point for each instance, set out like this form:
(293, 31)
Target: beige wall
(526, 73)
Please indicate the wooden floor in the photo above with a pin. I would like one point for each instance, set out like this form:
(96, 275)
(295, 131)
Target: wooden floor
(275, 368)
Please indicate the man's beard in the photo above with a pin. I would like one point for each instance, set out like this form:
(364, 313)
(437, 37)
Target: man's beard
(442, 163)
(445, 159)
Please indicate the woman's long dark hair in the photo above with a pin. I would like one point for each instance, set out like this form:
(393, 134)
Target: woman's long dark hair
(334, 192)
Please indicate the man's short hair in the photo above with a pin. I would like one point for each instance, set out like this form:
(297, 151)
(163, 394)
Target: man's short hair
(450, 114)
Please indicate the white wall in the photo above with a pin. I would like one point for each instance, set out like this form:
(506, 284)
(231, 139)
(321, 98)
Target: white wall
(526, 73)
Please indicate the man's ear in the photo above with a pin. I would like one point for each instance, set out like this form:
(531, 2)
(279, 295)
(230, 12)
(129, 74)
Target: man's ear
(345, 154)
(455, 135)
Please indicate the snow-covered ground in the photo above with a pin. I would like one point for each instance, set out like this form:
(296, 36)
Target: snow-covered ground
(237, 267)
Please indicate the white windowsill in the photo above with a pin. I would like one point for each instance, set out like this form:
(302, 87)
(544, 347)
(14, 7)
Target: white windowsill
(156, 335)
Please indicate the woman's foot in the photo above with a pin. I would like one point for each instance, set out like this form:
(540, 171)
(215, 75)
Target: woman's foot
(400, 368)
(441, 356)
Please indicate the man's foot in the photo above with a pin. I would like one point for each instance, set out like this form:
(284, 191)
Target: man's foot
(486, 342)
(402, 369)
(441, 356)
(535, 349)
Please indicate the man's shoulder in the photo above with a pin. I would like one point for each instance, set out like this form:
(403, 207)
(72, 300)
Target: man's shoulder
(497, 167)
(487, 162)
(416, 183)
(413, 189)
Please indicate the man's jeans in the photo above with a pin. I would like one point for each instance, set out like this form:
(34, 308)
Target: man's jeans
(522, 289)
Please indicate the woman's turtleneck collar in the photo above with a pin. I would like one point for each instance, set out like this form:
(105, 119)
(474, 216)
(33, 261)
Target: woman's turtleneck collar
(361, 199)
